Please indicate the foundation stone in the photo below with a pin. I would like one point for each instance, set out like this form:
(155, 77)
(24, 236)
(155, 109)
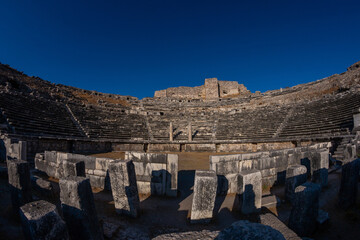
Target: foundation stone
(295, 176)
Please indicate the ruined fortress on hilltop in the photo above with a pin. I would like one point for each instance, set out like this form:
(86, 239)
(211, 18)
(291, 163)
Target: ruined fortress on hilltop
(213, 89)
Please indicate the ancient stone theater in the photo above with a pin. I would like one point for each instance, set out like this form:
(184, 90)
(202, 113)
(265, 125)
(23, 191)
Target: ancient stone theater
(211, 161)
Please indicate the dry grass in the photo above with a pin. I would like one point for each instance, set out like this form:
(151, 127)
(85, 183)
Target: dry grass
(114, 155)
(94, 99)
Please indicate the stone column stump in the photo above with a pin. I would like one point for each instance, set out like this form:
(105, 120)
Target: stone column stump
(249, 191)
(77, 203)
(124, 187)
(204, 196)
(20, 183)
(40, 221)
(319, 167)
(295, 176)
(305, 209)
(349, 183)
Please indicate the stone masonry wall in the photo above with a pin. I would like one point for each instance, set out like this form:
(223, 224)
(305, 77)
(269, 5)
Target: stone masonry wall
(272, 164)
(156, 173)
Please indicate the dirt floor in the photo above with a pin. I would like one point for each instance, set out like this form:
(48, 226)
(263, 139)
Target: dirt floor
(160, 215)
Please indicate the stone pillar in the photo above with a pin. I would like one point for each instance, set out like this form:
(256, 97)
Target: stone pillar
(189, 132)
(22, 150)
(73, 167)
(295, 176)
(249, 191)
(204, 196)
(305, 209)
(124, 188)
(356, 118)
(349, 183)
(77, 203)
(40, 220)
(172, 168)
(20, 184)
(171, 132)
(319, 162)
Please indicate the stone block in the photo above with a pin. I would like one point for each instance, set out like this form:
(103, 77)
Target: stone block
(172, 168)
(40, 221)
(269, 219)
(204, 196)
(20, 184)
(319, 165)
(73, 167)
(349, 184)
(77, 203)
(226, 164)
(295, 176)
(102, 163)
(96, 181)
(249, 191)
(124, 188)
(249, 231)
(305, 209)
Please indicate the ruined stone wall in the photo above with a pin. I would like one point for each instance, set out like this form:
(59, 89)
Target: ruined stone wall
(155, 173)
(272, 164)
(211, 90)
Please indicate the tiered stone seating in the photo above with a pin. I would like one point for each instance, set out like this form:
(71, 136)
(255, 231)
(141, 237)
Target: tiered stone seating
(326, 117)
(31, 115)
(110, 123)
(249, 124)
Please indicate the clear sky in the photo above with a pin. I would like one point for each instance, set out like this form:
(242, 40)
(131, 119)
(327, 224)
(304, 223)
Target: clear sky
(137, 47)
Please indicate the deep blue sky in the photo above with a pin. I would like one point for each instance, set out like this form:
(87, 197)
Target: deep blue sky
(137, 47)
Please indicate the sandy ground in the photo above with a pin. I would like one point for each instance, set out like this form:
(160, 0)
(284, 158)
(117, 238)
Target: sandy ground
(161, 215)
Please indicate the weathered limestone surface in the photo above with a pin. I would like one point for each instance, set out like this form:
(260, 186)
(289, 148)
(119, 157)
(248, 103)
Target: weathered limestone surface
(73, 167)
(124, 188)
(272, 221)
(349, 184)
(211, 89)
(295, 176)
(319, 161)
(20, 184)
(204, 196)
(78, 208)
(40, 221)
(249, 191)
(305, 209)
(249, 231)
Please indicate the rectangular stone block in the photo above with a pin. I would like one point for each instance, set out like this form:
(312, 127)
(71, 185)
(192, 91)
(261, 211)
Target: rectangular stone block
(41, 221)
(124, 187)
(20, 184)
(295, 176)
(225, 164)
(305, 209)
(319, 161)
(249, 191)
(204, 196)
(73, 167)
(172, 168)
(349, 184)
(77, 203)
